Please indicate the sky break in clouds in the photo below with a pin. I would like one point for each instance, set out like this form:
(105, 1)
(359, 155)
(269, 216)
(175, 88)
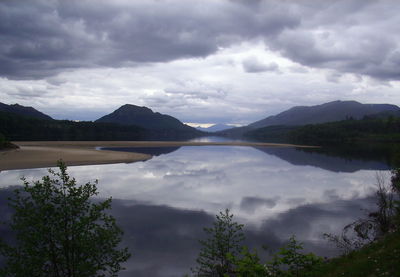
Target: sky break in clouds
(201, 61)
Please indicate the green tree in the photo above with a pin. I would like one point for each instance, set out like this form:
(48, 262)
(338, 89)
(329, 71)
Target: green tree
(248, 264)
(291, 262)
(222, 244)
(61, 232)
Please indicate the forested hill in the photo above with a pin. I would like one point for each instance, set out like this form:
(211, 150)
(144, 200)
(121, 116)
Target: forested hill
(24, 111)
(127, 123)
(378, 128)
(369, 129)
(18, 128)
(327, 112)
(144, 117)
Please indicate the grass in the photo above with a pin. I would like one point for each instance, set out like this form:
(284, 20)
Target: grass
(381, 258)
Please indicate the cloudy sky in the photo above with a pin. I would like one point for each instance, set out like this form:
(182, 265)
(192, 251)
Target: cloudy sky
(209, 61)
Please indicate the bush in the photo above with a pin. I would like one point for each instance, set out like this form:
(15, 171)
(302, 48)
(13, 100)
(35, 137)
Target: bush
(61, 232)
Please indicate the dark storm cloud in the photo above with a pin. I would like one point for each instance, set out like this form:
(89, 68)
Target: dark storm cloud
(36, 41)
(41, 38)
(358, 37)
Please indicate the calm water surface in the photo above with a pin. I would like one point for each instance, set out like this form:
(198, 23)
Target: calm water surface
(164, 203)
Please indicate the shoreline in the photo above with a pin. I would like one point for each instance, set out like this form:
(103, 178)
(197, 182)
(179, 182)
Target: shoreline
(41, 154)
(94, 144)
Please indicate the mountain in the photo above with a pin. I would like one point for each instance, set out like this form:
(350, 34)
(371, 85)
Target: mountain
(144, 117)
(123, 124)
(24, 111)
(18, 128)
(328, 112)
(215, 128)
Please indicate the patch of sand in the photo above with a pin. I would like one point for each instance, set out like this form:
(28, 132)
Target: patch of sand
(44, 156)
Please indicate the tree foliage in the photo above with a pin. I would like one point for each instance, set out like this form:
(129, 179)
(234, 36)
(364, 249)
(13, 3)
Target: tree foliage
(290, 261)
(368, 129)
(222, 243)
(60, 231)
(349, 131)
(248, 264)
(17, 128)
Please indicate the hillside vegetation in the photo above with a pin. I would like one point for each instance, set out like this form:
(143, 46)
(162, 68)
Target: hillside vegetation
(327, 112)
(303, 115)
(129, 122)
(18, 128)
(144, 117)
(368, 129)
(380, 258)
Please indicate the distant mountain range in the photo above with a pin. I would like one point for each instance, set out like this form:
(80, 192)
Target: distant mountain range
(130, 122)
(328, 112)
(24, 111)
(215, 128)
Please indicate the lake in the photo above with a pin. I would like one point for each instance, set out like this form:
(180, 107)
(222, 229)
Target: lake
(163, 204)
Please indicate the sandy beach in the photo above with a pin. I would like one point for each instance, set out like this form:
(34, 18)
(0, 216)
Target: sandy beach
(47, 156)
(37, 154)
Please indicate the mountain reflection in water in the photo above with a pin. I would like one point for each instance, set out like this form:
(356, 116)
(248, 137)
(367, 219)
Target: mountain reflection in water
(325, 160)
(163, 204)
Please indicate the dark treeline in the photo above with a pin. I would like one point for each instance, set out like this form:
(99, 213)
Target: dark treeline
(19, 128)
(279, 133)
(368, 129)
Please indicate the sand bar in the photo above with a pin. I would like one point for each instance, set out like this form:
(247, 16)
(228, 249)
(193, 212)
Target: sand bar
(44, 156)
(36, 154)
